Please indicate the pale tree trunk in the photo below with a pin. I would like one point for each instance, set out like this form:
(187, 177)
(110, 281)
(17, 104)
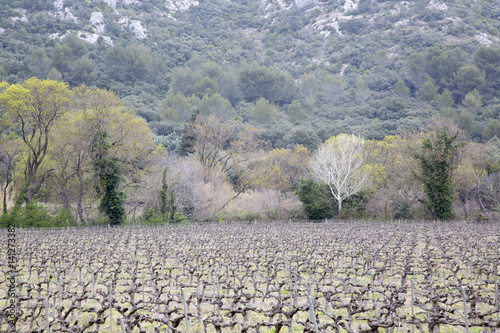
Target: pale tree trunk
(339, 199)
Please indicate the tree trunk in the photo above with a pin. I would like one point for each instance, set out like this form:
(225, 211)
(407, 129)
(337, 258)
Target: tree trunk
(79, 200)
(79, 211)
(5, 198)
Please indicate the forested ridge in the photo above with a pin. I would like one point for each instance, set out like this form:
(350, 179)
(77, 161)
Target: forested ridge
(214, 109)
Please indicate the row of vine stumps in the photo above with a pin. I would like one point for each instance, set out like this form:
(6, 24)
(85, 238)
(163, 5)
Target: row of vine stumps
(256, 277)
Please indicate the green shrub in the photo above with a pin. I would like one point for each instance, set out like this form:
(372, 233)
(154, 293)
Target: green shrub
(35, 215)
(317, 200)
(355, 206)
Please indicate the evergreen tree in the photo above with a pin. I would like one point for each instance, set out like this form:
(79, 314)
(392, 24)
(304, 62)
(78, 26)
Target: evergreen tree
(438, 157)
(188, 138)
(109, 174)
(163, 195)
(168, 210)
(317, 199)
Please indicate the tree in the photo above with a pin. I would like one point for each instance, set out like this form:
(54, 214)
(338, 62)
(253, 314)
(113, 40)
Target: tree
(222, 145)
(401, 89)
(39, 63)
(295, 111)
(188, 138)
(281, 169)
(465, 121)
(83, 71)
(395, 189)
(78, 46)
(316, 199)
(468, 78)
(492, 129)
(61, 58)
(473, 102)
(36, 107)
(445, 99)
(72, 139)
(108, 174)
(438, 158)
(303, 135)
(205, 86)
(339, 163)
(263, 111)
(361, 91)
(229, 88)
(179, 107)
(129, 63)
(308, 88)
(168, 210)
(216, 105)
(332, 89)
(272, 84)
(428, 91)
(11, 148)
(487, 59)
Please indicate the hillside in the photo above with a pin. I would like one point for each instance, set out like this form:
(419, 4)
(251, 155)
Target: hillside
(367, 67)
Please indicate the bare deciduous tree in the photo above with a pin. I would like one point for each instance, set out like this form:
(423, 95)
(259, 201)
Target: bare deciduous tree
(339, 163)
(223, 145)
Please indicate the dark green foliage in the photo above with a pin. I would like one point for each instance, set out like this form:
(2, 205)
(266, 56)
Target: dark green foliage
(431, 15)
(166, 212)
(355, 205)
(130, 63)
(62, 56)
(173, 215)
(352, 26)
(487, 59)
(492, 129)
(78, 46)
(188, 137)
(303, 135)
(83, 71)
(438, 157)
(276, 86)
(112, 200)
(401, 210)
(317, 199)
(36, 5)
(109, 175)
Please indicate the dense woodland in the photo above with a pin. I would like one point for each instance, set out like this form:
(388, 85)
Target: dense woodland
(216, 112)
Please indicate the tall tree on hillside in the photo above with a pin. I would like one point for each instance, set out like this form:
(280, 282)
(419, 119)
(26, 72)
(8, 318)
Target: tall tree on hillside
(272, 84)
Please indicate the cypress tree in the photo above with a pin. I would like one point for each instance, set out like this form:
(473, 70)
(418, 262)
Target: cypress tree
(163, 195)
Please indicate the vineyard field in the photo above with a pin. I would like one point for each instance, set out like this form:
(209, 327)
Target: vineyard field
(325, 276)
